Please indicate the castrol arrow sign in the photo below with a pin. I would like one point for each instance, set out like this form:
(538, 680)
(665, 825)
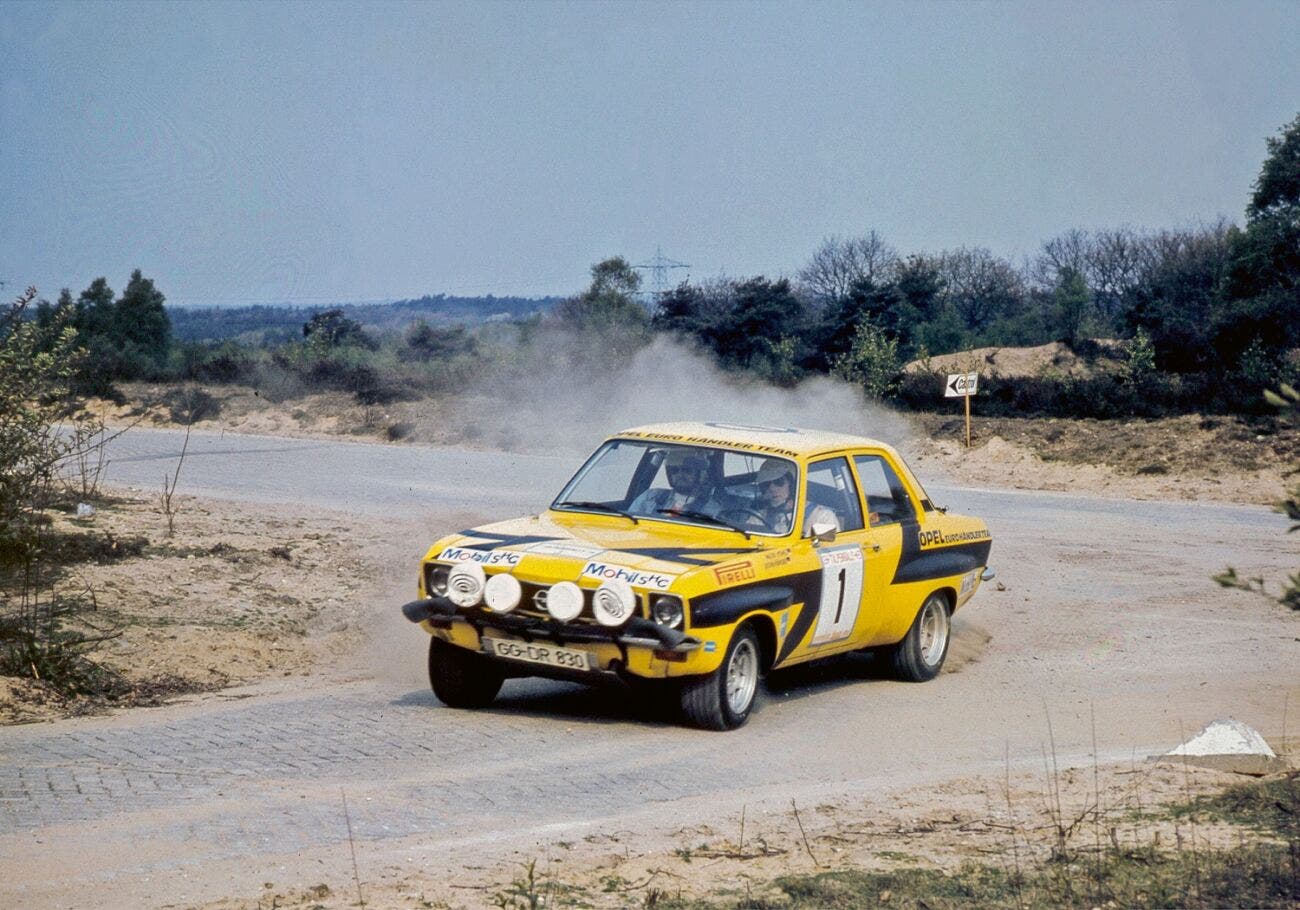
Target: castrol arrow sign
(961, 385)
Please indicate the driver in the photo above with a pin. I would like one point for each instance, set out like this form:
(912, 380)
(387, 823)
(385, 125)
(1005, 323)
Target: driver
(776, 499)
(688, 490)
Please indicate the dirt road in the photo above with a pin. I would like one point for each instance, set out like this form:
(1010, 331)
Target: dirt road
(1108, 611)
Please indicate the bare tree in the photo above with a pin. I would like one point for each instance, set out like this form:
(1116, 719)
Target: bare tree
(1070, 250)
(840, 262)
(979, 285)
(1114, 269)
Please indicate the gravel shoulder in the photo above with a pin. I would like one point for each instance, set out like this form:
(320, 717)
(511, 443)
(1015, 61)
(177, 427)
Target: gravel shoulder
(237, 594)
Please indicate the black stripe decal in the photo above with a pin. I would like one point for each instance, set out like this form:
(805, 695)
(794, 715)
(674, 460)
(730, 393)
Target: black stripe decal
(679, 554)
(915, 564)
(496, 541)
(725, 607)
(811, 594)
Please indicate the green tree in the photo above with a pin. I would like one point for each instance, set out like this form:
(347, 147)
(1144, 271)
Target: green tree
(608, 308)
(141, 328)
(682, 311)
(1261, 315)
(424, 342)
(1278, 184)
(331, 329)
(1071, 300)
(871, 362)
(762, 314)
(1180, 296)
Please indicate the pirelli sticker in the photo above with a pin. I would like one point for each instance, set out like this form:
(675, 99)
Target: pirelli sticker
(930, 539)
(735, 572)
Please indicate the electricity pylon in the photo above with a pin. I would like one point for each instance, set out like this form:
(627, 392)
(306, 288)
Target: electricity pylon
(658, 268)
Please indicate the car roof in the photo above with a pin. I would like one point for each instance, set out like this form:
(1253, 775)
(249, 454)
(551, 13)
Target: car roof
(788, 441)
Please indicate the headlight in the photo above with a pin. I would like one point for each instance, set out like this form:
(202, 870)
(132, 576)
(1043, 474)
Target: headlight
(667, 610)
(613, 603)
(435, 580)
(502, 593)
(564, 601)
(465, 584)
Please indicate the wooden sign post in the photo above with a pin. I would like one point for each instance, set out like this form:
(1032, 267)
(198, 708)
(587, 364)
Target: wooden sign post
(962, 385)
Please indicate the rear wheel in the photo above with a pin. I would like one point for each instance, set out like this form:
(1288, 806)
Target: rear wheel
(723, 699)
(462, 678)
(920, 655)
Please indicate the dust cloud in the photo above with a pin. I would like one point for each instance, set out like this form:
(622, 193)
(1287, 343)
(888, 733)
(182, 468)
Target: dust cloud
(563, 398)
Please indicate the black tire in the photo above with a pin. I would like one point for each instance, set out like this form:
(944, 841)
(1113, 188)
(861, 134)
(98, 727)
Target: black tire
(462, 678)
(920, 655)
(705, 700)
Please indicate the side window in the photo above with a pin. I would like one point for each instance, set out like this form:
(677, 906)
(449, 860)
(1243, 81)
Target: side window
(830, 484)
(887, 499)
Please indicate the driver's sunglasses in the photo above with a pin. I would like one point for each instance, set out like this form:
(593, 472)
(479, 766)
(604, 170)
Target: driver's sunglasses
(764, 484)
(678, 469)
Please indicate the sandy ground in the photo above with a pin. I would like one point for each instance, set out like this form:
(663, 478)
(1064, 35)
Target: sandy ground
(236, 594)
(1008, 820)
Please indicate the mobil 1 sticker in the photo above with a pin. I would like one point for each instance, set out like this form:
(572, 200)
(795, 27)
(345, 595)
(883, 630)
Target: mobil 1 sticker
(841, 593)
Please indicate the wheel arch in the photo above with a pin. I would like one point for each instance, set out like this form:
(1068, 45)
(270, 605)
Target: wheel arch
(765, 628)
(948, 593)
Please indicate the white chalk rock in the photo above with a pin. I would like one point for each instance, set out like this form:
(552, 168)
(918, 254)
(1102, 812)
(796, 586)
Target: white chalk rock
(1226, 737)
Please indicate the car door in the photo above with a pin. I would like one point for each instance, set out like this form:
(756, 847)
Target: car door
(830, 488)
(889, 514)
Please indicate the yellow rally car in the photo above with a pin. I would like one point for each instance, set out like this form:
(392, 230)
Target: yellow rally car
(703, 555)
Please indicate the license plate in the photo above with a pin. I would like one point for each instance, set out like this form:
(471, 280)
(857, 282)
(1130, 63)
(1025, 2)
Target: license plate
(538, 653)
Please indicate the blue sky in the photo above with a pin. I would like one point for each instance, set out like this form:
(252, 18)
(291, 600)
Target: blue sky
(252, 153)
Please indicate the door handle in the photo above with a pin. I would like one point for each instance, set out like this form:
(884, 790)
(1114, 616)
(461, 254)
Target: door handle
(875, 547)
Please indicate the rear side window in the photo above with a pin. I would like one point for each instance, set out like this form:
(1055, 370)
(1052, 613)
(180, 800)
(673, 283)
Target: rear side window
(887, 499)
(830, 484)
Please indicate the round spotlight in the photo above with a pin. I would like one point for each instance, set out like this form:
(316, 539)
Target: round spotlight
(502, 593)
(667, 611)
(465, 584)
(613, 603)
(564, 601)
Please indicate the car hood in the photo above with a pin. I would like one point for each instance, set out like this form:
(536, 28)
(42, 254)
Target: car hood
(553, 547)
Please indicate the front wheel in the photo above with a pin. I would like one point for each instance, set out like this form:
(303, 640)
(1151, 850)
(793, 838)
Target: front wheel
(921, 653)
(462, 678)
(723, 699)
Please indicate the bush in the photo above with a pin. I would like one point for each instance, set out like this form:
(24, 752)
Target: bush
(1103, 396)
(37, 363)
(872, 362)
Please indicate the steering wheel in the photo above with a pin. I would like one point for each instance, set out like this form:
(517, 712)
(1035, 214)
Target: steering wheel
(746, 518)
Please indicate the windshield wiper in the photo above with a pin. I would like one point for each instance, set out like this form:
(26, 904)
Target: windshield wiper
(704, 516)
(597, 506)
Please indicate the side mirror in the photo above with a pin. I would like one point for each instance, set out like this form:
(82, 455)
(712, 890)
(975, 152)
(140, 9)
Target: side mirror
(822, 532)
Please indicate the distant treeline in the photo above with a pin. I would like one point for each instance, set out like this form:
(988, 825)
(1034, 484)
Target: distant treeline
(1209, 316)
(272, 324)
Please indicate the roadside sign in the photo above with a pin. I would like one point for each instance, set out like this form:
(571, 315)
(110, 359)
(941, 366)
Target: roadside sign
(961, 385)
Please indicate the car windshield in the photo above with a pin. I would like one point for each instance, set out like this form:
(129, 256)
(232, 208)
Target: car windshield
(696, 485)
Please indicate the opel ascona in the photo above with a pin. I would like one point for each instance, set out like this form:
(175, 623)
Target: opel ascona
(692, 558)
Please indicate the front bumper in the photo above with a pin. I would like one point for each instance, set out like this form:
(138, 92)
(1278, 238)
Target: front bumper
(638, 632)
